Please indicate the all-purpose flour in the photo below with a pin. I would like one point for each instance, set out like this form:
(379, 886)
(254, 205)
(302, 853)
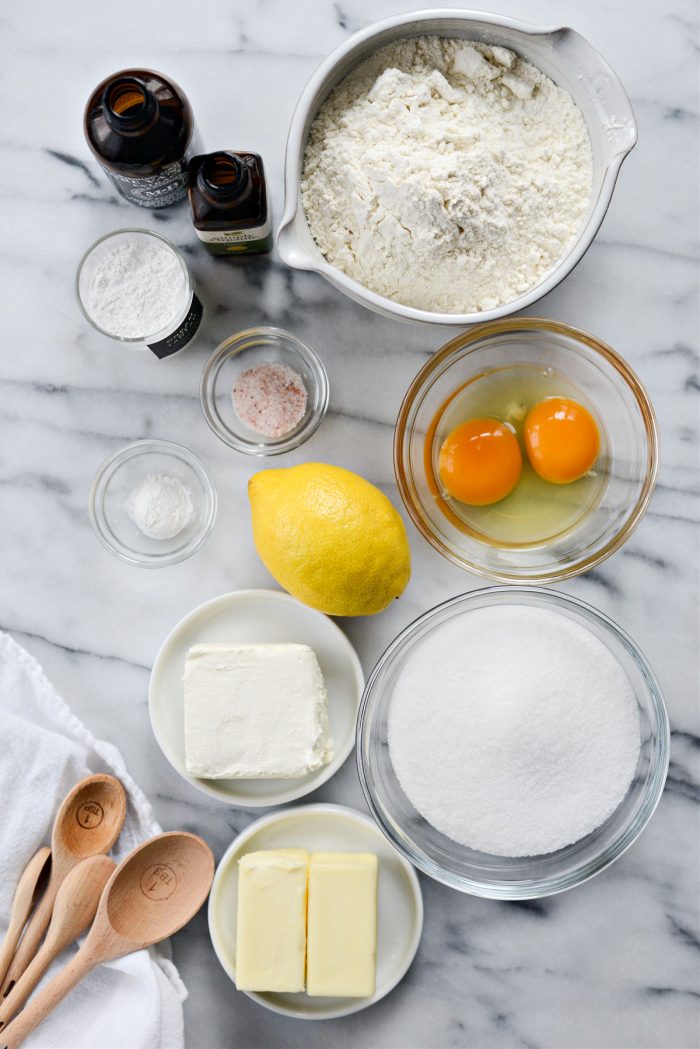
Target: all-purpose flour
(447, 175)
(514, 730)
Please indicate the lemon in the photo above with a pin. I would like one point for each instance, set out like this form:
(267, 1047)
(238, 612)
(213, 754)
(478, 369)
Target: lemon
(330, 538)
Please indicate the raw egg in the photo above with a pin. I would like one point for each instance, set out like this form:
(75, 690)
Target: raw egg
(480, 461)
(561, 440)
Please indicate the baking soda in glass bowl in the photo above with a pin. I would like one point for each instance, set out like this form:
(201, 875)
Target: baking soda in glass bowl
(134, 285)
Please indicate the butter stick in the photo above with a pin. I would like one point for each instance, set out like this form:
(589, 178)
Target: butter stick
(271, 931)
(342, 924)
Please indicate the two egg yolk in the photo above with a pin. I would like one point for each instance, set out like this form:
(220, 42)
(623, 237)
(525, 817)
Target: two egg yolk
(480, 461)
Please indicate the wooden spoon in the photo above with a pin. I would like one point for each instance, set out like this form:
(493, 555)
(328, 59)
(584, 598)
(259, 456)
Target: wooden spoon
(87, 824)
(25, 896)
(152, 894)
(73, 911)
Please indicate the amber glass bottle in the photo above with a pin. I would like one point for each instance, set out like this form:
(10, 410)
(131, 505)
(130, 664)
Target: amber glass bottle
(229, 203)
(140, 128)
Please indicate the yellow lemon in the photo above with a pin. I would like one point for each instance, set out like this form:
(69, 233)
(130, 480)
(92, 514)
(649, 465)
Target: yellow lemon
(330, 538)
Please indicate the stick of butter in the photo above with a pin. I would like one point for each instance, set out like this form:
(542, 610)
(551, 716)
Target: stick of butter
(342, 924)
(271, 931)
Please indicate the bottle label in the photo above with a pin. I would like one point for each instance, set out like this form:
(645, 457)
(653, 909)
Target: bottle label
(157, 191)
(233, 238)
(183, 334)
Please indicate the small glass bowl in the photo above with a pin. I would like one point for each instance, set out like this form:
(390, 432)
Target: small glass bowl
(246, 350)
(629, 459)
(121, 473)
(483, 874)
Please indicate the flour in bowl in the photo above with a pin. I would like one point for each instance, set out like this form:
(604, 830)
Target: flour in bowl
(447, 175)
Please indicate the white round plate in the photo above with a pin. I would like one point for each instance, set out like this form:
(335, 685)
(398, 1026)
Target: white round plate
(256, 616)
(322, 828)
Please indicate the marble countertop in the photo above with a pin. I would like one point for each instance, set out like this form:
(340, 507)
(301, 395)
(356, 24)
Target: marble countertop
(614, 963)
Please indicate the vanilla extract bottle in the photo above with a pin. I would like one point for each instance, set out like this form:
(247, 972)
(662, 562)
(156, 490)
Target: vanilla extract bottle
(229, 203)
(140, 127)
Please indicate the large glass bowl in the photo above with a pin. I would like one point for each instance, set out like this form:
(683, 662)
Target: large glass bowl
(629, 458)
(482, 874)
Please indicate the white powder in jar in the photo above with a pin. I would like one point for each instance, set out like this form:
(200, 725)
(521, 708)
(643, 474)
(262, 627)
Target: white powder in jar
(137, 287)
(514, 730)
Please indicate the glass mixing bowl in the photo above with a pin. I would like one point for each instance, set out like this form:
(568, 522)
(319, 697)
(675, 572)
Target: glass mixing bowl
(629, 457)
(482, 874)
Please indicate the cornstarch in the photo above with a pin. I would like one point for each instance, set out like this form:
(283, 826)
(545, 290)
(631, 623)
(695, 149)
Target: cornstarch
(137, 289)
(514, 730)
(447, 175)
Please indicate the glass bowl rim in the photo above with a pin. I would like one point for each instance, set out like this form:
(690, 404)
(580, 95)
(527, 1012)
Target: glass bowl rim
(238, 343)
(131, 339)
(107, 470)
(469, 342)
(546, 886)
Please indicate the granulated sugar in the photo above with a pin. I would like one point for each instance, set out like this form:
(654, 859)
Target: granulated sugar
(514, 730)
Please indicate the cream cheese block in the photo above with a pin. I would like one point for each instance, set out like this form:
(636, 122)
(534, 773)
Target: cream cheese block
(271, 929)
(255, 712)
(342, 924)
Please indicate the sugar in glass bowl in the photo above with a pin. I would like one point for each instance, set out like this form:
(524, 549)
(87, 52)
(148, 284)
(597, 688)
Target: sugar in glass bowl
(247, 350)
(479, 873)
(628, 460)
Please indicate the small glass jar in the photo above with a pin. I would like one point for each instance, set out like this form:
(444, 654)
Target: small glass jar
(177, 330)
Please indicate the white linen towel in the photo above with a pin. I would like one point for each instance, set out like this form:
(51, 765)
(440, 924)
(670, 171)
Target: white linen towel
(132, 1003)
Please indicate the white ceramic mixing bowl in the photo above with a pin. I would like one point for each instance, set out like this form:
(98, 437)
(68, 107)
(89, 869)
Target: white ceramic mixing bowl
(565, 56)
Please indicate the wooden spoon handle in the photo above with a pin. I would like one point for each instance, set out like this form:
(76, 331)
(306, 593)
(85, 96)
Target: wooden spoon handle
(21, 907)
(47, 999)
(38, 925)
(73, 912)
(19, 993)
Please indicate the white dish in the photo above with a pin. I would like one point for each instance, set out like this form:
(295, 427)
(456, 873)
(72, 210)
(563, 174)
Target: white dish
(256, 616)
(336, 829)
(561, 53)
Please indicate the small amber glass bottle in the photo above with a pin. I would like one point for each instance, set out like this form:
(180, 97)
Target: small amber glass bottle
(140, 127)
(229, 203)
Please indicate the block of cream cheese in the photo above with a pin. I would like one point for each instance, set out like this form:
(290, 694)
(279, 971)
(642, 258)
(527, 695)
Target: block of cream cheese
(342, 924)
(255, 712)
(271, 930)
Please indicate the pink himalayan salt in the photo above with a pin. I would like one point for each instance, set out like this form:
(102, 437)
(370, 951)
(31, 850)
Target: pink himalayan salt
(270, 399)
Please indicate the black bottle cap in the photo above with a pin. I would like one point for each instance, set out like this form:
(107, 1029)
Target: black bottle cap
(223, 176)
(128, 104)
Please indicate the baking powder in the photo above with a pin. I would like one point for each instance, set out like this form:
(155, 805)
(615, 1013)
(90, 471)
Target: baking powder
(160, 506)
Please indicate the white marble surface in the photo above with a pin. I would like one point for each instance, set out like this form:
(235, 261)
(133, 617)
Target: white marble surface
(614, 963)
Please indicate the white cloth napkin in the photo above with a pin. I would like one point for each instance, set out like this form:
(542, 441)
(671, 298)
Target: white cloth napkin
(132, 1003)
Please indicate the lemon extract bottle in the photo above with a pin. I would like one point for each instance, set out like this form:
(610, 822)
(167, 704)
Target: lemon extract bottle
(229, 203)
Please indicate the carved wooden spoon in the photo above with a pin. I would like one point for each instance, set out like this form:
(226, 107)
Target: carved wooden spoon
(87, 824)
(73, 911)
(152, 894)
(25, 896)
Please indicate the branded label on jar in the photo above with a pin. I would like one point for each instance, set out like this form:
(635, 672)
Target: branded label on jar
(182, 335)
(232, 241)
